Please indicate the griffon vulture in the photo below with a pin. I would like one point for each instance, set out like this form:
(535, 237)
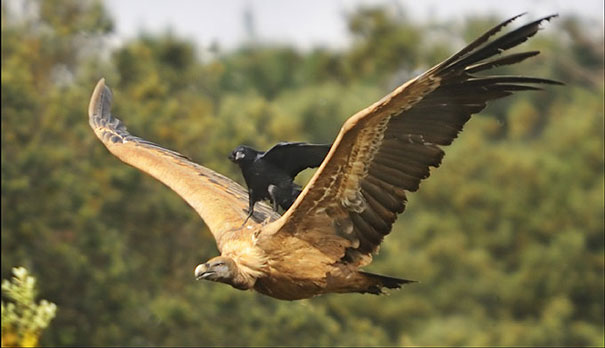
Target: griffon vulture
(382, 152)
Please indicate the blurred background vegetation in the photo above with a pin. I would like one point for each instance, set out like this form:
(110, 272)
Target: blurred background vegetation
(23, 320)
(506, 238)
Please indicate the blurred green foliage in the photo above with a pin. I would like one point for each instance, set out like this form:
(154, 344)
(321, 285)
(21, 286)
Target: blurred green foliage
(22, 319)
(506, 238)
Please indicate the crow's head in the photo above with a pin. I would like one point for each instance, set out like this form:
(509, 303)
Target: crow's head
(243, 154)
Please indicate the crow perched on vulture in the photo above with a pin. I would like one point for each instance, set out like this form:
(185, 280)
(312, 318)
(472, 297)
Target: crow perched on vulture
(270, 175)
(380, 154)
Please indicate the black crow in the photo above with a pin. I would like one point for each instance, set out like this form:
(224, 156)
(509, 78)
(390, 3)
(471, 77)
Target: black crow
(270, 175)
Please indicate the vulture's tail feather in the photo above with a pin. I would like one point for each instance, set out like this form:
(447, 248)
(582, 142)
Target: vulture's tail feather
(377, 282)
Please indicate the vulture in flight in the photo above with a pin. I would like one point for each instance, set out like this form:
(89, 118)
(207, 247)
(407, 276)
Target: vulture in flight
(339, 220)
(271, 174)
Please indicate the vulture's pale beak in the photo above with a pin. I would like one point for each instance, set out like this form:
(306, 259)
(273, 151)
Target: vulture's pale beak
(202, 272)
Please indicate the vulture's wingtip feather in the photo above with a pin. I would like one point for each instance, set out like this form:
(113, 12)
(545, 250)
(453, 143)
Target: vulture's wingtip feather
(96, 95)
(99, 109)
(547, 18)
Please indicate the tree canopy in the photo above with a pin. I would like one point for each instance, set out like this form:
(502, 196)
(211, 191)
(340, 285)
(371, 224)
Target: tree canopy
(506, 237)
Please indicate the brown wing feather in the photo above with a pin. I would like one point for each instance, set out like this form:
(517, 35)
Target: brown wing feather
(388, 148)
(221, 202)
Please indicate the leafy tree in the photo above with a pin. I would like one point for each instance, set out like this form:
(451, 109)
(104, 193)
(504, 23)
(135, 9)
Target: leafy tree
(23, 320)
(506, 238)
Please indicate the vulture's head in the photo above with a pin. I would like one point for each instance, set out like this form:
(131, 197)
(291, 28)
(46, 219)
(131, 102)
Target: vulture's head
(219, 269)
(243, 154)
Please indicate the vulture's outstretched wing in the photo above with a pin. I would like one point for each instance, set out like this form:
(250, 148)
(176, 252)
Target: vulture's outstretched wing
(388, 148)
(221, 202)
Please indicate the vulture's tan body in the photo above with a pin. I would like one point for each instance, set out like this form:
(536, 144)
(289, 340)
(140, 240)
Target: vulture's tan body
(384, 151)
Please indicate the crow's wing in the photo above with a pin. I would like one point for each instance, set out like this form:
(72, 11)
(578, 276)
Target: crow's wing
(221, 202)
(297, 156)
(387, 149)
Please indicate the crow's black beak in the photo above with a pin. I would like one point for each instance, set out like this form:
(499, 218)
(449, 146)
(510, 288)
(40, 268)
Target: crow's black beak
(231, 158)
